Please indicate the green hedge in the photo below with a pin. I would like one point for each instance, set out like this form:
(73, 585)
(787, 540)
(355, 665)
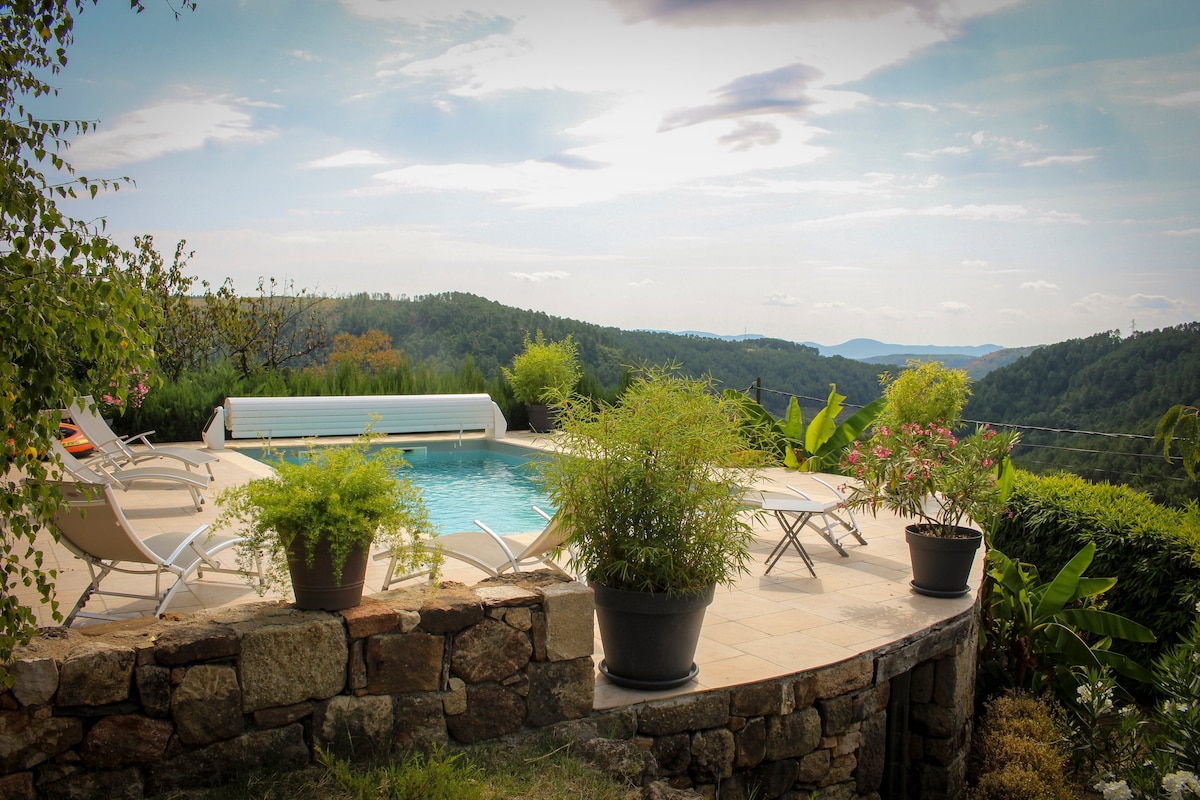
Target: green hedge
(1152, 550)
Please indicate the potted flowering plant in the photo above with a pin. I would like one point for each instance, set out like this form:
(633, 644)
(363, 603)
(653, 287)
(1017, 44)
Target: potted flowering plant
(920, 470)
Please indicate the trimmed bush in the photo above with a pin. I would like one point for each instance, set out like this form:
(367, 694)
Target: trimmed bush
(1020, 753)
(1153, 551)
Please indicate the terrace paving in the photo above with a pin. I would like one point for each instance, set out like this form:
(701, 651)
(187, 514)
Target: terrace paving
(761, 627)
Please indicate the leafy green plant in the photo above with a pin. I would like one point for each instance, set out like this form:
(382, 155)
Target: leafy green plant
(924, 393)
(817, 448)
(650, 488)
(1180, 426)
(544, 370)
(346, 496)
(1035, 632)
(1152, 550)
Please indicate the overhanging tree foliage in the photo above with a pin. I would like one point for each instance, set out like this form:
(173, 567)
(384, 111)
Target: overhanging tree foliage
(73, 319)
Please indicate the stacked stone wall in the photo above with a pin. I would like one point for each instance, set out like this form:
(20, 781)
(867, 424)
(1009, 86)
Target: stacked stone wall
(130, 710)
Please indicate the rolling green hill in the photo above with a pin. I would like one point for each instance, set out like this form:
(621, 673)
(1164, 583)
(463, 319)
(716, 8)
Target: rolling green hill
(1114, 388)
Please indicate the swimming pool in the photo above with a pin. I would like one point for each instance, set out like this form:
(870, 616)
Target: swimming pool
(476, 480)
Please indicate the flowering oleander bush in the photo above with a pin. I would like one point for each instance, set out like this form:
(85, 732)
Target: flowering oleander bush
(1151, 753)
(135, 391)
(924, 472)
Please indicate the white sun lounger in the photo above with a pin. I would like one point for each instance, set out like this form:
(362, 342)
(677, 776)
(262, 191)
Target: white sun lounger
(124, 477)
(92, 526)
(489, 552)
(119, 451)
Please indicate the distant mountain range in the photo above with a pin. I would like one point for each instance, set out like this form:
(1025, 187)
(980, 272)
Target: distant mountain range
(871, 350)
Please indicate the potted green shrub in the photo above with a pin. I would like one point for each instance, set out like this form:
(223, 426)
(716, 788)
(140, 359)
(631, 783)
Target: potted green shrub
(650, 490)
(916, 467)
(543, 371)
(315, 521)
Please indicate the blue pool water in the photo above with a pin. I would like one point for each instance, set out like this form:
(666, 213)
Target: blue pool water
(477, 480)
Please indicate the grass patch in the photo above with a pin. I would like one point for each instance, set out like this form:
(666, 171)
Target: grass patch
(534, 770)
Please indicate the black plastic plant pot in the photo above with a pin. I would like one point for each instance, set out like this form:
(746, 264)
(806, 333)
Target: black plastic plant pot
(941, 565)
(542, 418)
(315, 588)
(650, 638)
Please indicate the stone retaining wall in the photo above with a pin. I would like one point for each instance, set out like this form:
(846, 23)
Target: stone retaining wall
(129, 710)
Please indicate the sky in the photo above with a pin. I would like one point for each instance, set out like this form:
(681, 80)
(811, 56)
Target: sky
(914, 171)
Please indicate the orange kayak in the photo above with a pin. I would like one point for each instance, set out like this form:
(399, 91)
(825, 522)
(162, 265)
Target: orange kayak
(73, 439)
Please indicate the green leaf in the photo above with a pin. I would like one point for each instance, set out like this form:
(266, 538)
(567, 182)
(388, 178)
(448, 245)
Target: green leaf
(1061, 590)
(825, 422)
(1106, 623)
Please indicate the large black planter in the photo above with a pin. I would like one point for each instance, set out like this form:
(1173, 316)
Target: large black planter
(649, 638)
(941, 565)
(314, 586)
(542, 418)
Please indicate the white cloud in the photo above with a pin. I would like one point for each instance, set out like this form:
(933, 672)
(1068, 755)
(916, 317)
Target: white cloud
(974, 262)
(538, 277)
(1051, 161)
(303, 55)
(1040, 286)
(1183, 232)
(954, 307)
(168, 127)
(347, 158)
(1191, 98)
(782, 299)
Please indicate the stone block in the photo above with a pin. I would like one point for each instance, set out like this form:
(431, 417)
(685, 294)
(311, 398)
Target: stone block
(773, 778)
(27, 738)
(492, 711)
(560, 690)
(519, 618)
(455, 700)
(569, 608)
(454, 608)
(814, 766)
(121, 784)
(691, 713)
(199, 641)
(672, 753)
(762, 699)
(94, 674)
(750, 743)
(420, 724)
(847, 676)
(281, 749)
(301, 659)
(841, 769)
(793, 735)
(506, 595)
(489, 651)
(712, 756)
(207, 706)
(354, 727)
(369, 617)
(356, 670)
(283, 715)
(154, 689)
(404, 662)
(622, 760)
(123, 740)
(17, 786)
(901, 656)
(35, 680)
(935, 721)
(920, 687)
(868, 775)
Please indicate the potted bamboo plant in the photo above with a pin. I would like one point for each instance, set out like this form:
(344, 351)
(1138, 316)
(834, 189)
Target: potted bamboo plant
(315, 521)
(650, 490)
(916, 467)
(542, 371)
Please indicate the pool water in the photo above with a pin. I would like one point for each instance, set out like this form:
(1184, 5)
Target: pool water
(477, 480)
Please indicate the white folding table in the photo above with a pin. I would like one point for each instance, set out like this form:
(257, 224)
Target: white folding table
(794, 513)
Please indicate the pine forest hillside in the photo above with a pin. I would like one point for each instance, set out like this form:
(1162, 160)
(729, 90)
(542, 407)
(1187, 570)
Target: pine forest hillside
(446, 328)
(1100, 399)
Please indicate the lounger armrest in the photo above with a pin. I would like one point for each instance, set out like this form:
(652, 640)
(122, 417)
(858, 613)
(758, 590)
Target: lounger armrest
(187, 543)
(542, 514)
(134, 437)
(512, 559)
(797, 491)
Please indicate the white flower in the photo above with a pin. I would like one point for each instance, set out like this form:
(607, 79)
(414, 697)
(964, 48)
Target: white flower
(1085, 693)
(1177, 783)
(1115, 790)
